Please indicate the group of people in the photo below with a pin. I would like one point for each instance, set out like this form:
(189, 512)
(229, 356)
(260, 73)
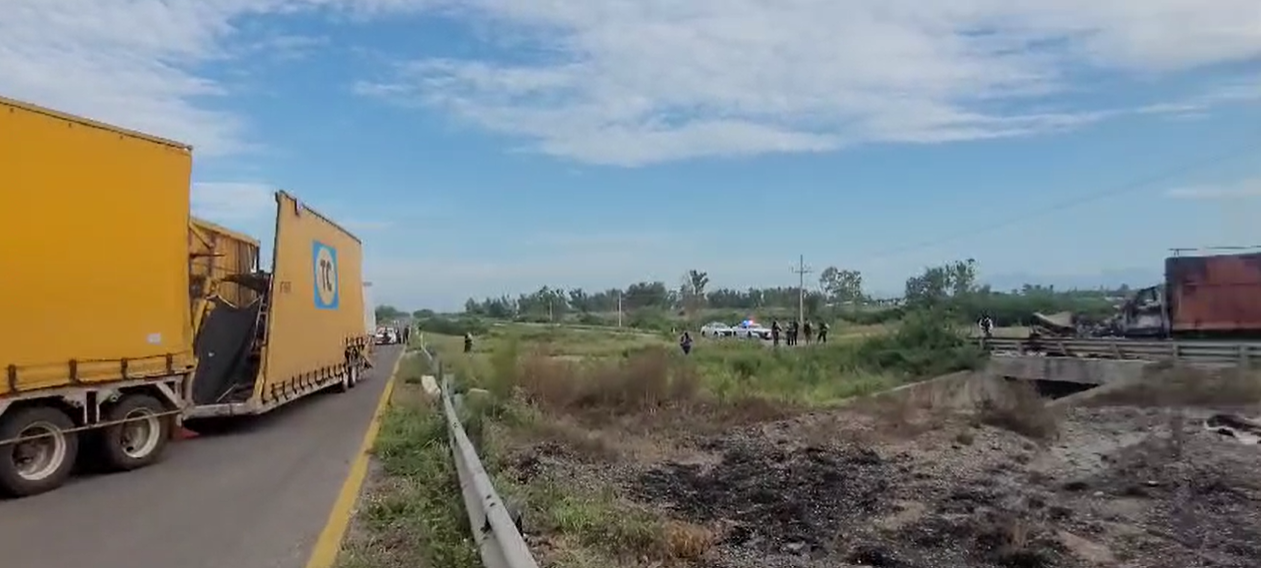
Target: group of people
(793, 332)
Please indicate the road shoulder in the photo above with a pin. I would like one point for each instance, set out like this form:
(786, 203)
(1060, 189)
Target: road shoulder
(328, 544)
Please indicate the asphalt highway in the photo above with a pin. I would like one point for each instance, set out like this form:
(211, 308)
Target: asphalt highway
(257, 497)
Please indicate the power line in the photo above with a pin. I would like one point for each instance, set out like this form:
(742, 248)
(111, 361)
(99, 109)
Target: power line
(1077, 201)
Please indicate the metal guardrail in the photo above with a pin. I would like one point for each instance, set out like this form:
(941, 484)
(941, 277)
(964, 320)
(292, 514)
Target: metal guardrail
(1240, 353)
(498, 539)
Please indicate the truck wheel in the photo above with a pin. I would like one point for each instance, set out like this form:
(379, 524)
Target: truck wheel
(40, 464)
(139, 441)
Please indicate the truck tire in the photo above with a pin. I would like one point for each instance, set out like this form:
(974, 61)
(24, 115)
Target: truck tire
(139, 442)
(36, 466)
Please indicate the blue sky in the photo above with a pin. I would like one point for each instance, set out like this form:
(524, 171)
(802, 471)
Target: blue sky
(492, 146)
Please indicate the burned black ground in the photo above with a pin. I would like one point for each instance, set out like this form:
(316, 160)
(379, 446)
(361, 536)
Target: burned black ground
(803, 506)
(999, 502)
(774, 500)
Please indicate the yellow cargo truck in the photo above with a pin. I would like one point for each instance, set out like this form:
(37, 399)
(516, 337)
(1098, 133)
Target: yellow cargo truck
(305, 333)
(113, 300)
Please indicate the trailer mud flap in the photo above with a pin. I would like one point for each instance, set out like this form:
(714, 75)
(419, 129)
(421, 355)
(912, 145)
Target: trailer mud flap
(223, 350)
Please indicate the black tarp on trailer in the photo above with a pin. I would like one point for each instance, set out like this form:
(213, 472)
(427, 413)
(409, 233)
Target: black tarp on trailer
(223, 351)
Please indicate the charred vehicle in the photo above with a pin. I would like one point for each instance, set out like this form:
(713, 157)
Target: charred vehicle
(1203, 297)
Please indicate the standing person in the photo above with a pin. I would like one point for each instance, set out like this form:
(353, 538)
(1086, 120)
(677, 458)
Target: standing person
(805, 328)
(794, 330)
(407, 334)
(685, 343)
(823, 332)
(775, 331)
(468, 342)
(987, 326)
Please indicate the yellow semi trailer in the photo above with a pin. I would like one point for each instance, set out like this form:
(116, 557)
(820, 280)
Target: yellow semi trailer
(115, 304)
(304, 333)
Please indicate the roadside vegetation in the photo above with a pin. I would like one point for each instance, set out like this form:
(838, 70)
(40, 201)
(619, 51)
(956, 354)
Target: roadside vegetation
(575, 405)
(590, 432)
(554, 359)
(410, 513)
(619, 451)
(603, 397)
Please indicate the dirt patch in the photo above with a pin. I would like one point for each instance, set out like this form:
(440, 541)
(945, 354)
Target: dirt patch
(778, 501)
(998, 502)
(853, 504)
(967, 472)
(1189, 499)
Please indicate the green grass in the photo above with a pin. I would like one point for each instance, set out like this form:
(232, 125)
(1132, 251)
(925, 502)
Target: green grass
(572, 384)
(818, 375)
(867, 360)
(591, 528)
(596, 520)
(538, 374)
(413, 514)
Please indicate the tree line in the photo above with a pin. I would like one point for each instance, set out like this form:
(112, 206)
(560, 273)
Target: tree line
(840, 293)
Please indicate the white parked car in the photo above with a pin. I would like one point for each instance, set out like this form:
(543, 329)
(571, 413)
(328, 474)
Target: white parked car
(716, 329)
(751, 331)
(386, 336)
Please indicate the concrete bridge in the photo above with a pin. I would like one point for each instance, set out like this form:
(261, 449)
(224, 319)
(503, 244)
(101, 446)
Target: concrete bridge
(1082, 371)
(1096, 362)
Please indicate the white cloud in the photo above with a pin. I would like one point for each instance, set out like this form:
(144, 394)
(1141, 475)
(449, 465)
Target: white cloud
(1247, 189)
(284, 47)
(632, 82)
(1243, 91)
(639, 81)
(230, 202)
(137, 63)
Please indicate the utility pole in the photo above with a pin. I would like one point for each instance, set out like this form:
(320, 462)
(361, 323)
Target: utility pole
(802, 270)
(619, 309)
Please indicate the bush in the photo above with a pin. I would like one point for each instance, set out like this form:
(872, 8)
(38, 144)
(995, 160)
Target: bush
(645, 379)
(453, 326)
(869, 316)
(563, 370)
(926, 344)
(632, 379)
(651, 320)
